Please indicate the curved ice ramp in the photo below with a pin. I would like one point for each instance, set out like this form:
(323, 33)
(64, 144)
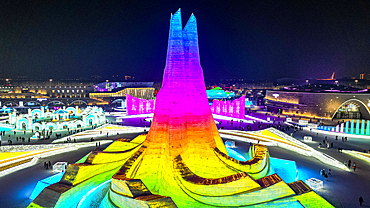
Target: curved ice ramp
(258, 166)
(80, 178)
(216, 187)
(274, 137)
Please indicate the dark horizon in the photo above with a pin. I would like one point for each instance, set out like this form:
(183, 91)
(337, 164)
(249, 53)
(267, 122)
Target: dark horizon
(255, 40)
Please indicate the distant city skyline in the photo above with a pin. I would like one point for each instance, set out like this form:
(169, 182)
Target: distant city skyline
(252, 40)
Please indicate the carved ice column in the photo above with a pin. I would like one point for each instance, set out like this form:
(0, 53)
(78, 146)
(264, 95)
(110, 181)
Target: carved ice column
(363, 127)
(29, 125)
(84, 120)
(10, 118)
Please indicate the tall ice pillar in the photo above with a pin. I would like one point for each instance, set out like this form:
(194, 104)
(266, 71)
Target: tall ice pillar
(363, 127)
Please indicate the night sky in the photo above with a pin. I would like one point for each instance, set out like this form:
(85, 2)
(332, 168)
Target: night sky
(238, 39)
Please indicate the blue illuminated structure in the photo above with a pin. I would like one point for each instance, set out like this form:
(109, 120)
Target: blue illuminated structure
(218, 93)
(45, 183)
(363, 127)
(286, 169)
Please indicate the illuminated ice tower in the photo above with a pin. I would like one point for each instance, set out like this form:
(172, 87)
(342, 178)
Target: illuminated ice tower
(183, 123)
(182, 161)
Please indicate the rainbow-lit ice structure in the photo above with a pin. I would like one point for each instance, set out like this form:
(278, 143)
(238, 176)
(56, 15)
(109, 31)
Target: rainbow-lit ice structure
(182, 161)
(235, 108)
(139, 106)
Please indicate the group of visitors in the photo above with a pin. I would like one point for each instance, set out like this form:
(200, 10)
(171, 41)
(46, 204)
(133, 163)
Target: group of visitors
(47, 165)
(348, 164)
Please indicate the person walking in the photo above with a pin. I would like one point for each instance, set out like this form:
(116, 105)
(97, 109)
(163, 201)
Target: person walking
(361, 200)
(349, 163)
(326, 177)
(354, 166)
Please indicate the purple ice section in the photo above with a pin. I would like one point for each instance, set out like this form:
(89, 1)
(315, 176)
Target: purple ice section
(139, 106)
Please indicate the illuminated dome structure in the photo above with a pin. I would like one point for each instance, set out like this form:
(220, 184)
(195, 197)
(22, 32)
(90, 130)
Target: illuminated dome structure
(219, 93)
(182, 161)
(71, 117)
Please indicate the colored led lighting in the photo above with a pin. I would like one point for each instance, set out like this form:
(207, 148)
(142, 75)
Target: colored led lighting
(139, 106)
(182, 161)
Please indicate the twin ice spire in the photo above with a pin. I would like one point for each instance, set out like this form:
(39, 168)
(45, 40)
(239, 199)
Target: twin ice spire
(182, 117)
(182, 50)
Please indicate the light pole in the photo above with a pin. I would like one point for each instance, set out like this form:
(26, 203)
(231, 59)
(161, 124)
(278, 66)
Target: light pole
(50, 87)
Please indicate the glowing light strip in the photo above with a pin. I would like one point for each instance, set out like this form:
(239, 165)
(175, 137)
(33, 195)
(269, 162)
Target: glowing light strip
(361, 155)
(19, 167)
(257, 119)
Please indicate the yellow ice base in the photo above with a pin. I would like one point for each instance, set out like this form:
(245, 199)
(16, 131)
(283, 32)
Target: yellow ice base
(10, 156)
(199, 177)
(13, 155)
(61, 195)
(123, 145)
(312, 199)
